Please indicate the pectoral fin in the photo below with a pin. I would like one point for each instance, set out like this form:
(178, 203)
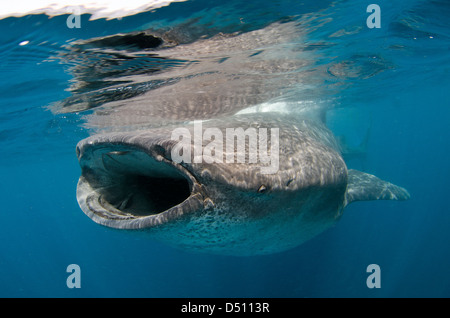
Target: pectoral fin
(365, 187)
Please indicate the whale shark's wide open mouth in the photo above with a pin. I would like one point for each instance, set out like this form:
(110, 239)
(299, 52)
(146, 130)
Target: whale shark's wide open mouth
(122, 186)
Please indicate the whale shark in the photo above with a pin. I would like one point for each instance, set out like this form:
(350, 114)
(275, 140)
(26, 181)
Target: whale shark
(130, 181)
(213, 193)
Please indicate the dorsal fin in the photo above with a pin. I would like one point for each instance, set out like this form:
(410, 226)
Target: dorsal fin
(365, 187)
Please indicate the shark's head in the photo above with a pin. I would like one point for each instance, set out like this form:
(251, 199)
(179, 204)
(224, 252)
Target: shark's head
(132, 180)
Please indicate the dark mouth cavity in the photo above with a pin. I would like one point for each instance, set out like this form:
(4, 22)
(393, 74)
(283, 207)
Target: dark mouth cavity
(142, 195)
(132, 182)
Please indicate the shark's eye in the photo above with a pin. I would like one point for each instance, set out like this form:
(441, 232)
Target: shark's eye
(262, 189)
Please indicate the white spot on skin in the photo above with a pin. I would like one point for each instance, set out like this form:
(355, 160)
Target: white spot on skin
(24, 43)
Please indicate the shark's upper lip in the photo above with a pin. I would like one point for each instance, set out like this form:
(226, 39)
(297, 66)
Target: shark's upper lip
(128, 187)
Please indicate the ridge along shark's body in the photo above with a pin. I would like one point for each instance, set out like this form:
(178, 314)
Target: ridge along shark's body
(131, 181)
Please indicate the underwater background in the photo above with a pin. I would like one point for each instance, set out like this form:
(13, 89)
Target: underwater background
(393, 81)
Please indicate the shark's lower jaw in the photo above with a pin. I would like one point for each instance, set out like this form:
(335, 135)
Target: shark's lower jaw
(130, 188)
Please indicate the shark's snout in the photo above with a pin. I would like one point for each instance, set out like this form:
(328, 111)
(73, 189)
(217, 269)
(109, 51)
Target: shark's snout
(123, 186)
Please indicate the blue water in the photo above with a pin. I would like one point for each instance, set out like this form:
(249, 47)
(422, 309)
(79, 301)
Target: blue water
(396, 77)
